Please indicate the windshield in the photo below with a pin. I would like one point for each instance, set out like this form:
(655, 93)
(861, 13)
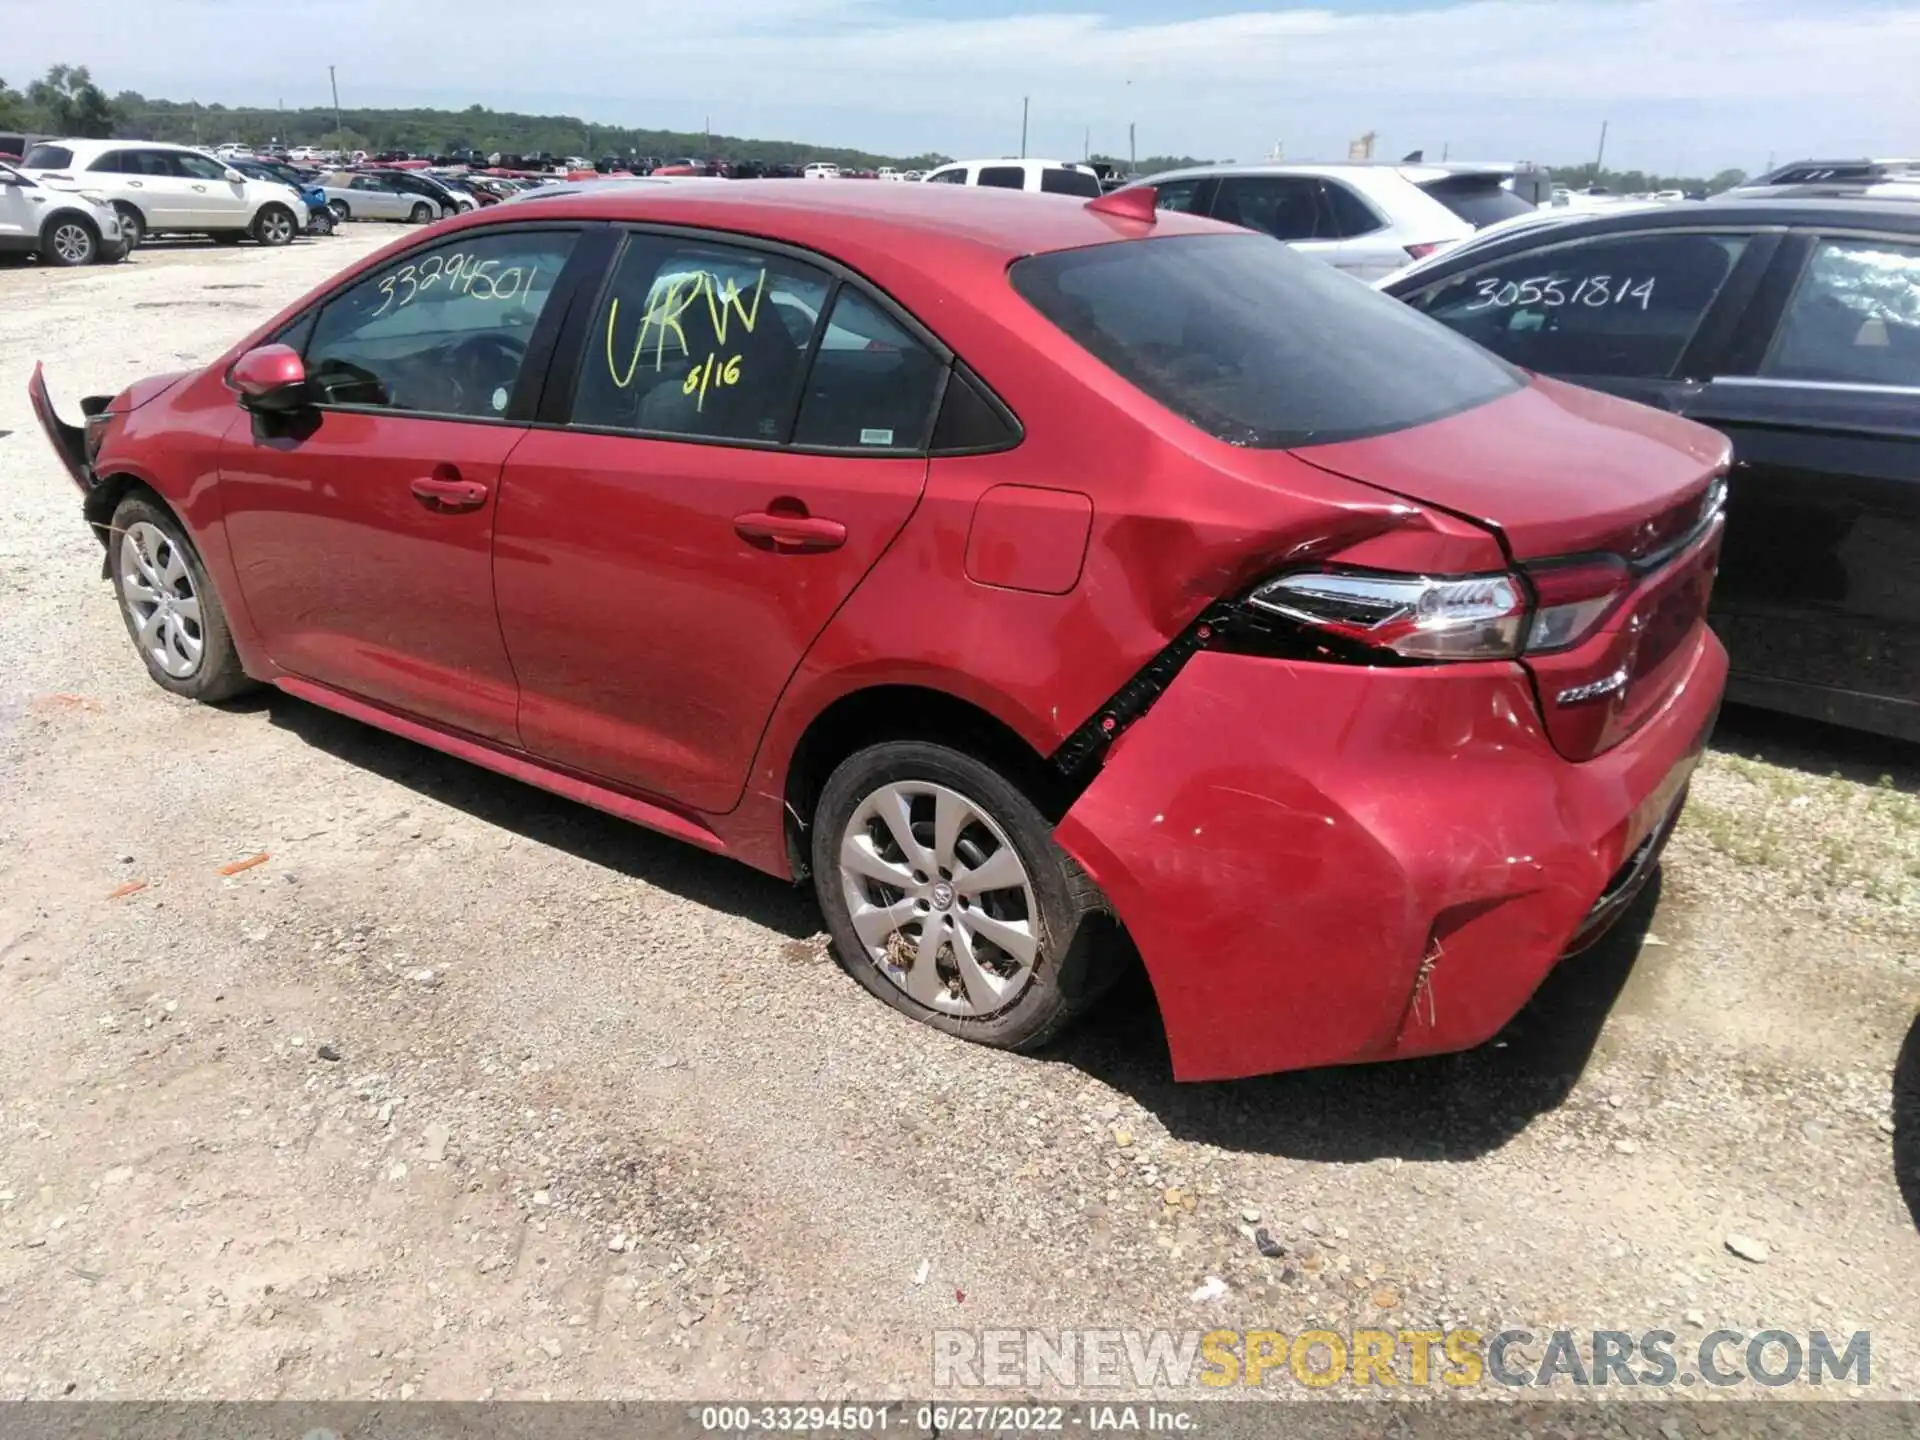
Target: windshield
(1477, 199)
(1257, 344)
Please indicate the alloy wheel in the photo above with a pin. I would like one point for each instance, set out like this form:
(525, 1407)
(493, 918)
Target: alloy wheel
(276, 227)
(939, 897)
(156, 586)
(72, 243)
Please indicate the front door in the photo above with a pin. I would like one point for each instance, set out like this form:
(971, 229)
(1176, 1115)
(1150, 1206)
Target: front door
(213, 201)
(663, 562)
(1819, 590)
(22, 204)
(363, 529)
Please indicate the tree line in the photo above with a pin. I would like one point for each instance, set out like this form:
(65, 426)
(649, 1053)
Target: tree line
(67, 101)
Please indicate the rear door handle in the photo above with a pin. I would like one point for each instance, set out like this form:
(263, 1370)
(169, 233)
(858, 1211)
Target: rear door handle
(789, 534)
(445, 491)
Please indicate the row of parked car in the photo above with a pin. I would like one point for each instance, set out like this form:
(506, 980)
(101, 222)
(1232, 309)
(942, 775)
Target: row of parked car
(80, 202)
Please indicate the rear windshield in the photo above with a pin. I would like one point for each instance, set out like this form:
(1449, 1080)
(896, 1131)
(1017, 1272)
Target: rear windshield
(1257, 344)
(1477, 199)
(1058, 180)
(47, 157)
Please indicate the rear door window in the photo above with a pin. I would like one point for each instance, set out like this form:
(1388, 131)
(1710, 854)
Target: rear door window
(872, 385)
(1343, 214)
(1480, 200)
(1855, 318)
(700, 340)
(1257, 344)
(1178, 195)
(1286, 207)
(1004, 177)
(1618, 305)
(1058, 180)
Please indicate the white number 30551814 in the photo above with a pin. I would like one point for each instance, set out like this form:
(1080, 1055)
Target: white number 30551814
(1553, 292)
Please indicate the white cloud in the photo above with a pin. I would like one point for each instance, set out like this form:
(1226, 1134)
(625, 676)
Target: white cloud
(1694, 83)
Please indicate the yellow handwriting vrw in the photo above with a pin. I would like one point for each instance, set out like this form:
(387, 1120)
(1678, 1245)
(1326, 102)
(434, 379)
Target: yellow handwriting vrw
(661, 324)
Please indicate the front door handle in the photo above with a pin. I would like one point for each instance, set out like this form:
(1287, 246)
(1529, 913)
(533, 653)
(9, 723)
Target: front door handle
(135, 184)
(445, 492)
(201, 188)
(789, 533)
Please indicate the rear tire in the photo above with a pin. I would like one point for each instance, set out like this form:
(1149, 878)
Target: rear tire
(274, 226)
(342, 212)
(68, 240)
(169, 605)
(422, 214)
(133, 226)
(1004, 964)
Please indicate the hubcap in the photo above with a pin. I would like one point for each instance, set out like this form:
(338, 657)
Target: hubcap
(157, 588)
(939, 898)
(279, 227)
(71, 243)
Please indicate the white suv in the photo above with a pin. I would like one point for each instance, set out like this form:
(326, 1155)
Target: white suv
(1054, 177)
(161, 189)
(61, 226)
(1368, 219)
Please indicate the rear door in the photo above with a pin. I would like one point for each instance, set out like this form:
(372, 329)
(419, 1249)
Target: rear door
(732, 437)
(150, 180)
(1819, 591)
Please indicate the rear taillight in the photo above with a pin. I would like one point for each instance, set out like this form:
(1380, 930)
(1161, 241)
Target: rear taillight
(1420, 617)
(1496, 616)
(1573, 598)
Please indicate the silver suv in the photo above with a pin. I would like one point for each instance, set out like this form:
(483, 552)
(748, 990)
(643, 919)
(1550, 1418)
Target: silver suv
(1368, 218)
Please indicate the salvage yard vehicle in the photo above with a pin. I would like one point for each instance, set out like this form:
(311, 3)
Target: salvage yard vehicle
(319, 217)
(375, 195)
(1365, 217)
(62, 227)
(160, 189)
(1052, 177)
(1793, 326)
(1134, 578)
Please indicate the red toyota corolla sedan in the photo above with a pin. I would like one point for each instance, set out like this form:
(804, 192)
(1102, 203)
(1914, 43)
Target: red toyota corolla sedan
(1034, 575)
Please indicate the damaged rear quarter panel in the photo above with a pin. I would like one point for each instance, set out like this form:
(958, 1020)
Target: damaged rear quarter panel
(1280, 839)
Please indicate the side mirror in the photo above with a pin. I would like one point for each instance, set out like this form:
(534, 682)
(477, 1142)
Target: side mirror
(272, 378)
(234, 177)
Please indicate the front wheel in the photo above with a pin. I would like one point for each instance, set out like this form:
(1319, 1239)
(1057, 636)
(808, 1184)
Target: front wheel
(341, 214)
(274, 225)
(69, 240)
(169, 604)
(947, 897)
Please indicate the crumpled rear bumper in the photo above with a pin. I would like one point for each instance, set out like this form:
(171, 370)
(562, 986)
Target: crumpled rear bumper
(1326, 863)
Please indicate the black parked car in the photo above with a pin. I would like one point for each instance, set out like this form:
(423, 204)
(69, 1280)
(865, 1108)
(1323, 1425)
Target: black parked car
(1794, 328)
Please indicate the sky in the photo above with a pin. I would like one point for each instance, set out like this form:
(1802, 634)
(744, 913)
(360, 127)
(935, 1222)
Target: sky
(1686, 86)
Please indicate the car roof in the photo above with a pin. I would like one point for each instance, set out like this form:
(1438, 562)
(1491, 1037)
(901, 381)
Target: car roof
(1417, 171)
(923, 226)
(1728, 212)
(1028, 160)
(80, 145)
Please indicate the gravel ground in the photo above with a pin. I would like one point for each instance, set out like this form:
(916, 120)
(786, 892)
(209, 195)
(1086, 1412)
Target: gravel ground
(467, 1091)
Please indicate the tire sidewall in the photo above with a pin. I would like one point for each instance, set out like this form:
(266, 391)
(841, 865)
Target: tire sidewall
(60, 222)
(342, 212)
(268, 214)
(133, 226)
(422, 213)
(219, 676)
(1037, 1011)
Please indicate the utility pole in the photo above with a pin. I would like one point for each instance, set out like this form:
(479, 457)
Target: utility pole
(1599, 159)
(339, 130)
(1086, 144)
(1133, 160)
(1023, 126)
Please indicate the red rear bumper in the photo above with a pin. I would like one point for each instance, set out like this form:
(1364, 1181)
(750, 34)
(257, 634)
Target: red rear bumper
(1324, 863)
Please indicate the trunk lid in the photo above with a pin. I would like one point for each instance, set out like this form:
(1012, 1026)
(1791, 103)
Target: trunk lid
(1558, 472)
(1551, 468)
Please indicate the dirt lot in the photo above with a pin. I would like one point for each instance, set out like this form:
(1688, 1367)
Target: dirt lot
(468, 1091)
